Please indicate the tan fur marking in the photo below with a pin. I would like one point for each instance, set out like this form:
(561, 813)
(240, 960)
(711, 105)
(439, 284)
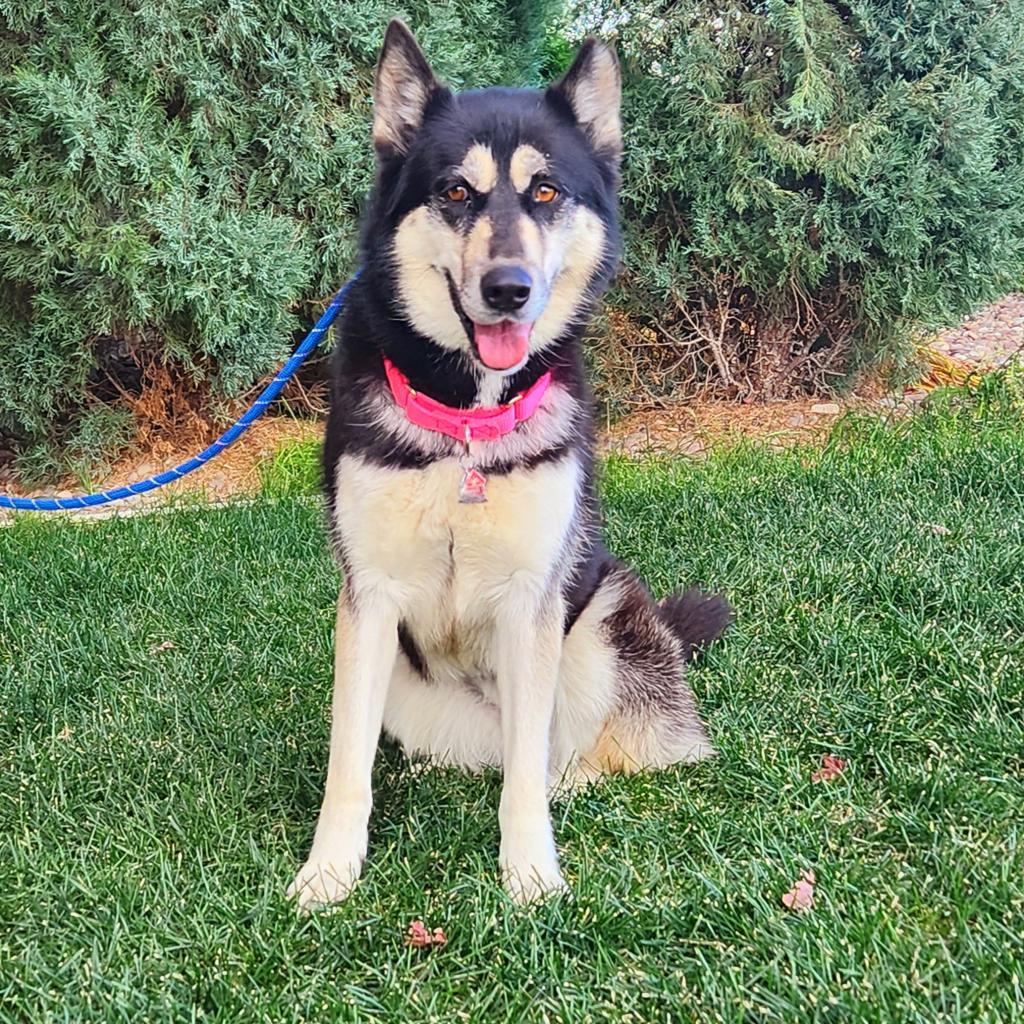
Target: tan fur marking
(609, 755)
(479, 168)
(425, 247)
(475, 251)
(570, 261)
(525, 163)
(532, 240)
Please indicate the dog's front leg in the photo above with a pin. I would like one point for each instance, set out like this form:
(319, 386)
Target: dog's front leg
(527, 673)
(365, 648)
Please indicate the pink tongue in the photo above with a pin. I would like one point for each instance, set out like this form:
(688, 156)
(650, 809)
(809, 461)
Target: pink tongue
(502, 345)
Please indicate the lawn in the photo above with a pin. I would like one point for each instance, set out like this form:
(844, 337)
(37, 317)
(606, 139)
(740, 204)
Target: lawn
(164, 688)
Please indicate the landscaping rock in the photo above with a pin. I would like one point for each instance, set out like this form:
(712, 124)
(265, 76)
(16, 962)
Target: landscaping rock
(990, 337)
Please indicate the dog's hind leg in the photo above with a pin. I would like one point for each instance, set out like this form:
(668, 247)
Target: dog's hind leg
(444, 719)
(624, 703)
(587, 690)
(365, 648)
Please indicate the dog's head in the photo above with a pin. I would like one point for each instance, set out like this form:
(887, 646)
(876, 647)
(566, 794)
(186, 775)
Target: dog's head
(495, 209)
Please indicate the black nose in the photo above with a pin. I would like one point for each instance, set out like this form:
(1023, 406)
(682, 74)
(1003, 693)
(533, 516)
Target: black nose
(506, 289)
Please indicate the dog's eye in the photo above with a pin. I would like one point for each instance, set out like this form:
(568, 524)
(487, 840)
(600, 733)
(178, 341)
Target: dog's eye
(457, 193)
(545, 192)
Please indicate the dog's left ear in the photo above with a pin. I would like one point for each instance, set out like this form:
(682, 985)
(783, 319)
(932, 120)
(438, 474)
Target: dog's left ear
(402, 90)
(593, 89)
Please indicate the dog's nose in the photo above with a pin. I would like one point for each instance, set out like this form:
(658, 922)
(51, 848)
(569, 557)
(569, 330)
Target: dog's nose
(506, 289)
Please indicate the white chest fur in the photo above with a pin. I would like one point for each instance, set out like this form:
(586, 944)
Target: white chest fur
(453, 570)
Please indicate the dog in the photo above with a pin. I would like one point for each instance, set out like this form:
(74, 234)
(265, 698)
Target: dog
(481, 621)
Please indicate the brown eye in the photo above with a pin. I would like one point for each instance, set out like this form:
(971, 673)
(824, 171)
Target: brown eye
(544, 192)
(457, 194)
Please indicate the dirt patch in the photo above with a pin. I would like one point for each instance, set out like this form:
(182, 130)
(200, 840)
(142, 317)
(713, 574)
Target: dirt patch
(691, 429)
(984, 342)
(676, 430)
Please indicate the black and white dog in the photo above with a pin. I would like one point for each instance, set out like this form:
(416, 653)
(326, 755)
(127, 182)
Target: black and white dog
(481, 621)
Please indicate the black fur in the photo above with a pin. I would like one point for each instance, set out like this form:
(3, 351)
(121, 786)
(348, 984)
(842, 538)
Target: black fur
(696, 618)
(411, 650)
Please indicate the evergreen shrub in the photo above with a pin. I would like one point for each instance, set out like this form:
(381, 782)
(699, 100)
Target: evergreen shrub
(808, 182)
(180, 182)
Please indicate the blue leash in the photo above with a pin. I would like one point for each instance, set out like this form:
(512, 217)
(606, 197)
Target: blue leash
(228, 438)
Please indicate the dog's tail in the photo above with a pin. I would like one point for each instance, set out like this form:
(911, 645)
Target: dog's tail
(696, 618)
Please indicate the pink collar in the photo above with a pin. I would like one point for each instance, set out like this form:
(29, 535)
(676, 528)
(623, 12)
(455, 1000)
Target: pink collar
(464, 424)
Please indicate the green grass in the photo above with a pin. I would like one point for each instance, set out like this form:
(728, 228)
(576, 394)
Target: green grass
(293, 469)
(155, 801)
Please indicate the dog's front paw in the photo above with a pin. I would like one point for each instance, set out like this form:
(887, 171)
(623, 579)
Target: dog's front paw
(322, 881)
(529, 877)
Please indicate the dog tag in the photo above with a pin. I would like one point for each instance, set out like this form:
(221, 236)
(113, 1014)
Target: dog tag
(473, 488)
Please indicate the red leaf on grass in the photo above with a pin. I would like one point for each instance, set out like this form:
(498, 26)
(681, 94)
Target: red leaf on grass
(419, 936)
(831, 768)
(801, 896)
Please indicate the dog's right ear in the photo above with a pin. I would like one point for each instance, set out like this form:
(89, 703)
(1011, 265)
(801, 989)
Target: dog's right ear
(403, 88)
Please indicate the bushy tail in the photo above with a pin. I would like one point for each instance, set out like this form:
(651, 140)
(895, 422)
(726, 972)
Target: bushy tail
(696, 618)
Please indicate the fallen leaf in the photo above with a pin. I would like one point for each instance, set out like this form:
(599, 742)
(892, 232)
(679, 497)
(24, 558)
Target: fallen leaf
(419, 936)
(167, 645)
(831, 768)
(801, 896)
(938, 529)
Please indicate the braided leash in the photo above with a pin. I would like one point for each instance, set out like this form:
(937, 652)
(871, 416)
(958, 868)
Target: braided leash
(228, 438)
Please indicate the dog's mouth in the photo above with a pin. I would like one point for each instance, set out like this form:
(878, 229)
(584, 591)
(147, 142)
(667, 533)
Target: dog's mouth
(502, 345)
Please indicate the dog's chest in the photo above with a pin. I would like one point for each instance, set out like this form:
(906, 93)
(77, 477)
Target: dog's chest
(451, 567)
